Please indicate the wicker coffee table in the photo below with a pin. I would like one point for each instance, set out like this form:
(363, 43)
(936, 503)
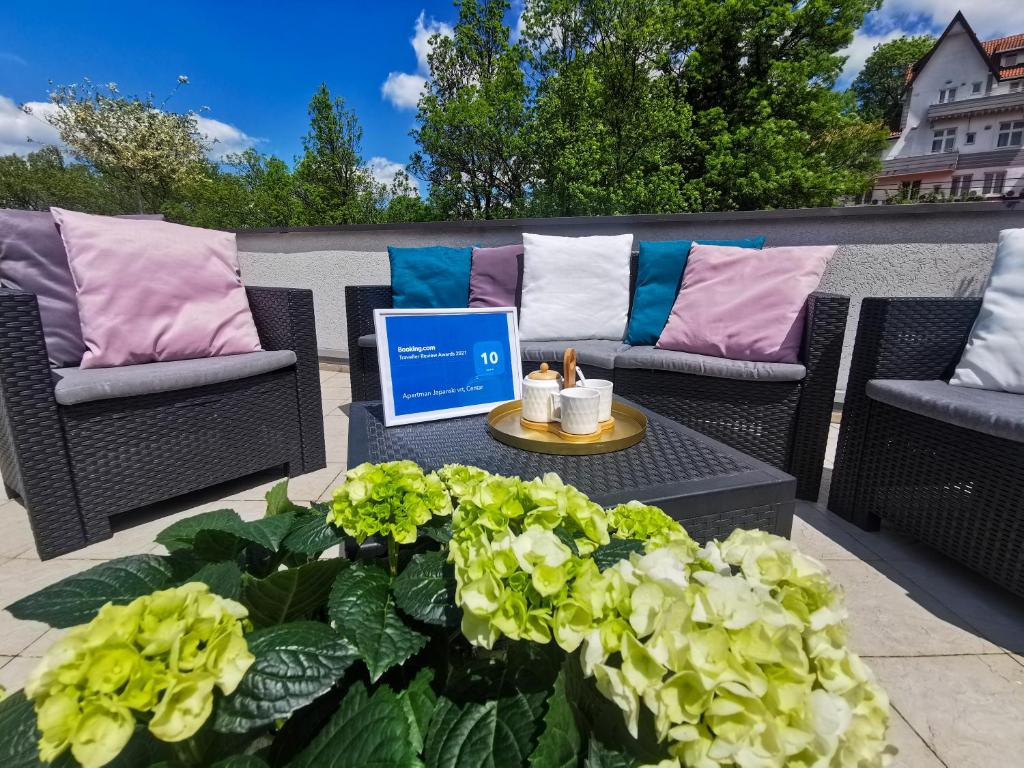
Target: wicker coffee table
(710, 488)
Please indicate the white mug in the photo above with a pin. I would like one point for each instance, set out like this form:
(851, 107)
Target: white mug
(577, 408)
(604, 388)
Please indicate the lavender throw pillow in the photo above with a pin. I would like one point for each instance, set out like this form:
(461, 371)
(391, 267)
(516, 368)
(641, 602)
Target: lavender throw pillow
(32, 258)
(745, 304)
(495, 276)
(151, 291)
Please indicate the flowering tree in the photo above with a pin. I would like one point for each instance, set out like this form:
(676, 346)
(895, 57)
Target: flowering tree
(143, 146)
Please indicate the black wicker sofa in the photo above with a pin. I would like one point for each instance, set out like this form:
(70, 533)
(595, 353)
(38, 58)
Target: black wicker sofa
(943, 463)
(78, 448)
(779, 413)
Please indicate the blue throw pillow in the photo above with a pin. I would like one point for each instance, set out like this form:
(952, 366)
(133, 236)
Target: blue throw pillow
(430, 277)
(659, 275)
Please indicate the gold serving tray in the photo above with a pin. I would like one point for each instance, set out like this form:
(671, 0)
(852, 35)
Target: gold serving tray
(505, 425)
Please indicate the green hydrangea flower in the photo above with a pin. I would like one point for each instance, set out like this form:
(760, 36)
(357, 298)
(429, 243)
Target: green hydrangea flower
(162, 654)
(738, 650)
(390, 500)
(643, 522)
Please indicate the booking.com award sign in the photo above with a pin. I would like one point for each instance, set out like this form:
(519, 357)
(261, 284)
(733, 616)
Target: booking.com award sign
(442, 363)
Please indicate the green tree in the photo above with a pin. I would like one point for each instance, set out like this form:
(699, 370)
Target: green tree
(43, 178)
(133, 142)
(332, 181)
(881, 84)
(472, 119)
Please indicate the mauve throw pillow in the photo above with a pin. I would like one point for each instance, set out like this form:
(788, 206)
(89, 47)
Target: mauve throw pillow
(32, 258)
(151, 291)
(745, 304)
(494, 277)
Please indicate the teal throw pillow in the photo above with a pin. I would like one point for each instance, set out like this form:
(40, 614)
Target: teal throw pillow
(658, 278)
(430, 277)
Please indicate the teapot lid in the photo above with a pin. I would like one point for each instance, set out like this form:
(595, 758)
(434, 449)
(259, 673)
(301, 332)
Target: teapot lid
(544, 374)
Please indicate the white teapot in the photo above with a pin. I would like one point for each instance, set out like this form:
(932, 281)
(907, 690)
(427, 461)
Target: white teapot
(538, 387)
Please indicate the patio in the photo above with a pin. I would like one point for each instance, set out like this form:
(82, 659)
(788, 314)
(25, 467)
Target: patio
(946, 644)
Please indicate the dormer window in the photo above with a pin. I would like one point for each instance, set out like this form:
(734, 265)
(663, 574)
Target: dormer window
(1011, 59)
(946, 95)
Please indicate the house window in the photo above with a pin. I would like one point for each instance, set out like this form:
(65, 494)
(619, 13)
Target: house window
(989, 83)
(969, 138)
(1010, 59)
(1010, 134)
(975, 87)
(961, 186)
(910, 190)
(946, 95)
(944, 140)
(994, 183)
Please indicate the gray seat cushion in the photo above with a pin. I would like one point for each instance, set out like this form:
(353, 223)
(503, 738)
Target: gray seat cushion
(1000, 414)
(76, 385)
(652, 358)
(599, 353)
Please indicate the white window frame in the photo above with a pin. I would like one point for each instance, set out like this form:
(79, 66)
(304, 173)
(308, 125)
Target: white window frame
(960, 187)
(947, 95)
(1011, 134)
(970, 137)
(994, 183)
(976, 87)
(943, 140)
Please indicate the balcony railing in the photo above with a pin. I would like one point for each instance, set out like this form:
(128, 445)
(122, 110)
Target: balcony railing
(939, 161)
(999, 102)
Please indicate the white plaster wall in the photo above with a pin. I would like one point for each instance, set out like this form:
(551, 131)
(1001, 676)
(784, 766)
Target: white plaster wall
(922, 250)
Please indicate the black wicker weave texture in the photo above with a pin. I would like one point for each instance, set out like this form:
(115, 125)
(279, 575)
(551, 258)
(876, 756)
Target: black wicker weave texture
(957, 490)
(75, 467)
(671, 463)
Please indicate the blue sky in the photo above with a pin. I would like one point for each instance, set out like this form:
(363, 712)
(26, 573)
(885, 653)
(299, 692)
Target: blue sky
(255, 64)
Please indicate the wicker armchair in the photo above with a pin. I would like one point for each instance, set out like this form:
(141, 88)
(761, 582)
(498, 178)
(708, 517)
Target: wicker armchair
(955, 488)
(782, 423)
(74, 467)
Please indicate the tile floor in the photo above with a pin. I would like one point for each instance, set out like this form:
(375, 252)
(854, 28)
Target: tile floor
(946, 644)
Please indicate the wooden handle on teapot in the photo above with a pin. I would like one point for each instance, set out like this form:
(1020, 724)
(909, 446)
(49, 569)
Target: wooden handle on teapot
(569, 368)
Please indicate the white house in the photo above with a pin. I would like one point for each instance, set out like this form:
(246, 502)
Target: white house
(962, 128)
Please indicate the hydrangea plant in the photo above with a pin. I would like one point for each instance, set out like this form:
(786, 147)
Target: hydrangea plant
(159, 658)
(512, 622)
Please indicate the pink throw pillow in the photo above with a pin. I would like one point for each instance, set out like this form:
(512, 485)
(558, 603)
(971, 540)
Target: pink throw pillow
(743, 304)
(152, 291)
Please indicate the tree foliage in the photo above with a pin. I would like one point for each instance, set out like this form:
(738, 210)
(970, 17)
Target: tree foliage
(880, 86)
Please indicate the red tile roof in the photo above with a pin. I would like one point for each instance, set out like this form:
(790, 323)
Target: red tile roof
(1000, 45)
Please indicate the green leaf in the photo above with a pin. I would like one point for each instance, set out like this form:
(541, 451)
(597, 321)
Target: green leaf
(425, 590)
(560, 741)
(566, 538)
(615, 550)
(600, 756)
(223, 578)
(290, 594)
(278, 502)
(496, 733)
(225, 525)
(18, 734)
(241, 761)
(76, 599)
(295, 663)
(437, 528)
(366, 732)
(312, 534)
(418, 702)
(363, 610)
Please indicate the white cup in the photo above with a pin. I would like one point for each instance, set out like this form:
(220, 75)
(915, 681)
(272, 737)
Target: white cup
(577, 409)
(604, 388)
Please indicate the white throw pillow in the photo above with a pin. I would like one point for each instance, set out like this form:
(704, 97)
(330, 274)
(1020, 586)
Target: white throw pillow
(994, 356)
(575, 287)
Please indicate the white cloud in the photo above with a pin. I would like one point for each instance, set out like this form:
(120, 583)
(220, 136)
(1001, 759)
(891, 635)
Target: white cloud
(384, 170)
(403, 89)
(859, 50)
(989, 19)
(225, 139)
(21, 132)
